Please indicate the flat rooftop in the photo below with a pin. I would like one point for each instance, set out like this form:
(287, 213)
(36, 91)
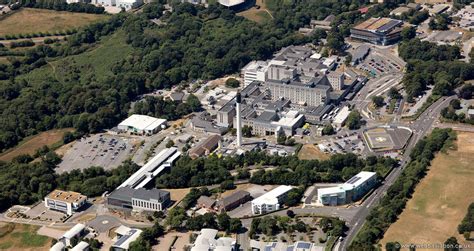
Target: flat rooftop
(271, 197)
(142, 122)
(380, 25)
(66, 196)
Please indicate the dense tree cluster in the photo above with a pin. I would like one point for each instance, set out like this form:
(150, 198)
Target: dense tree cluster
(467, 224)
(393, 203)
(27, 107)
(466, 91)
(440, 22)
(419, 17)
(232, 83)
(272, 225)
(433, 65)
(354, 120)
(25, 183)
(94, 181)
(339, 167)
(424, 50)
(450, 113)
(147, 238)
(23, 43)
(290, 170)
(328, 130)
(166, 108)
(378, 101)
(220, 221)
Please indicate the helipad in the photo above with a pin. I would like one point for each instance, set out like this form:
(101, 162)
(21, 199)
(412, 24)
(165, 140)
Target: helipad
(387, 138)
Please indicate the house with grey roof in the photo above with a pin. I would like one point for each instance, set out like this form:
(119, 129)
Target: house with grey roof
(232, 201)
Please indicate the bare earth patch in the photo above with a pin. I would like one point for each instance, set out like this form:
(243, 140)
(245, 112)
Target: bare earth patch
(440, 200)
(30, 145)
(310, 152)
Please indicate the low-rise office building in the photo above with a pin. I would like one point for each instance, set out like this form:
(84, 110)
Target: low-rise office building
(270, 201)
(139, 199)
(381, 31)
(64, 201)
(352, 190)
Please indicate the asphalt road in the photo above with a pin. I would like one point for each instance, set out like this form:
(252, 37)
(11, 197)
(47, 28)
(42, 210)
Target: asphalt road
(420, 127)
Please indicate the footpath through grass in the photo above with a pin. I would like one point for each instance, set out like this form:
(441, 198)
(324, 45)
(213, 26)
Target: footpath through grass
(96, 63)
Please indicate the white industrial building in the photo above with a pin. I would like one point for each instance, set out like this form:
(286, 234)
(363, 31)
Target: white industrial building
(81, 246)
(254, 71)
(77, 231)
(352, 190)
(142, 124)
(59, 246)
(64, 201)
(206, 241)
(270, 201)
(341, 117)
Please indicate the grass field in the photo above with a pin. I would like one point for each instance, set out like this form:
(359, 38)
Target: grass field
(177, 194)
(31, 144)
(257, 15)
(98, 61)
(440, 200)
(310, 152)
(22, 237)
(26, 21)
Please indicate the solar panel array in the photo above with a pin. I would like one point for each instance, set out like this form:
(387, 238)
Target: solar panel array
(388, 26)
(304, 245)
(353, 180)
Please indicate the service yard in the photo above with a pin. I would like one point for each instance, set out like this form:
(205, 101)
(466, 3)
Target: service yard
(440, 200)
(26, 21)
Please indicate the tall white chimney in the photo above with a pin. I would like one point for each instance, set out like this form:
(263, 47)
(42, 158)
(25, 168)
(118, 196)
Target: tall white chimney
(239, 120)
